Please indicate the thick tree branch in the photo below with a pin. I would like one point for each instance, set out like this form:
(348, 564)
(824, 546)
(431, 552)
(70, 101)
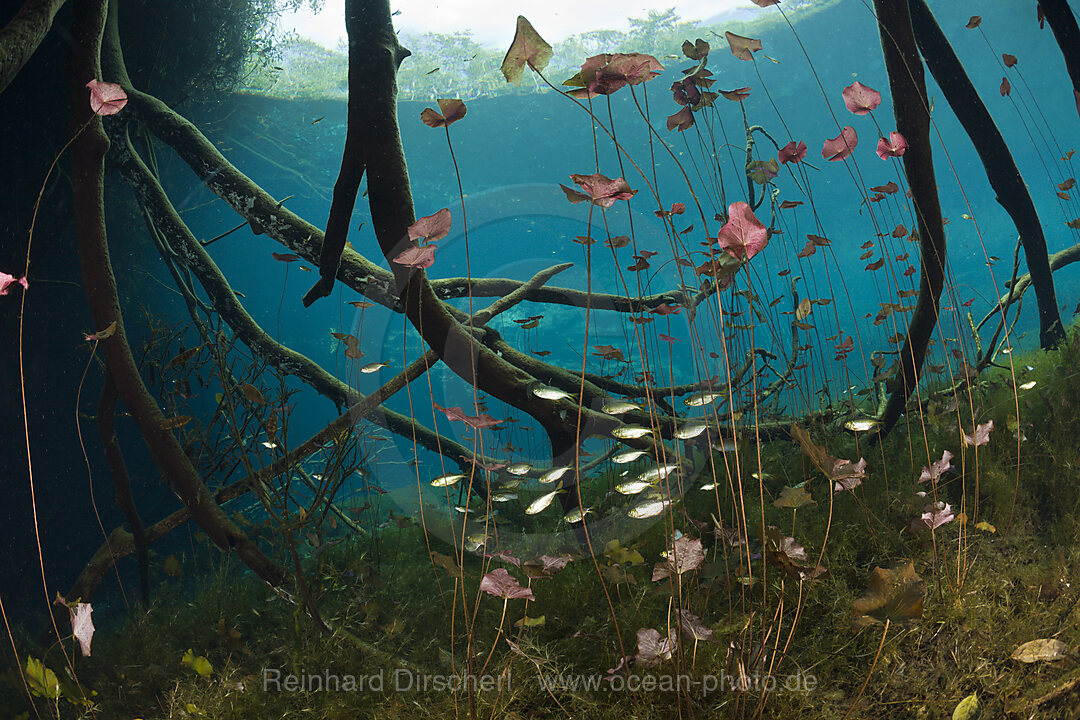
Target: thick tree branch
(911, 108)
(1009, 187)
(88, 169)
(22, 35)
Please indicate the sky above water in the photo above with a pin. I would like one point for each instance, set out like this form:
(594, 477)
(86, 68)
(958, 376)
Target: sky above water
(492, 22)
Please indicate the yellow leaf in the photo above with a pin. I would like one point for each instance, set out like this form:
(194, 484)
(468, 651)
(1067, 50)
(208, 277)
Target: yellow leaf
(803, 310)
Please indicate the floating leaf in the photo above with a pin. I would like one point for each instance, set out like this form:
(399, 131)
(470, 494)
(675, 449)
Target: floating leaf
(860, 99)
(601, 190)
(417, 257)
(682, 120)
(6, 281)
(743, 236)
(545, 565)
(447, 563)
(742, 47)
(789, 555)
(792, 152)
(431, 228)
(528, 48)
(804, 309)
(974, 22)
(1005, 87)
(895, 595)
(691, 626)
(794, 497)
(895, 146)
(653, 648)
(604, 74)
(937, 468)
(840, 146)
(501, 583)
(106, 98)
(981, 435)
(697, 50)
(82, 626)
(451, 111)
(1008, 59)
(761, 171)
(285, 257)
(683, 556)
(615, 552)
(736, 95)
(934, 516)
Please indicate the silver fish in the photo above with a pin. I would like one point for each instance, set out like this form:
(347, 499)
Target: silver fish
(618, 407)
(633, 487)
(701, 398)
(576, 515)
(373, 367)
(658, 473)
(631, 432)
(446, 480)
(521, 468)
(540, 504)
(501, 497)
(649, 509)
(709, 486)
(627, 456)
(725, 445)
(550, 393)
(864, 425)
(690, 430)
(553, 474)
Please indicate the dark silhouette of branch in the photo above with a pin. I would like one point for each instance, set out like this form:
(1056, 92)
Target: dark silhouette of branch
(87, 171)
(1067, 33)
(1011, 191)
(911, 108)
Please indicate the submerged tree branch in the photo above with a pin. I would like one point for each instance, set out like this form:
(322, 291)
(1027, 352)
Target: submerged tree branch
(1010, 190)
(22, 35)
(911, 109)
(88, 154)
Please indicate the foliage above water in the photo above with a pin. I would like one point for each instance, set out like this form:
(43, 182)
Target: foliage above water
(182, 49)
(456, 65)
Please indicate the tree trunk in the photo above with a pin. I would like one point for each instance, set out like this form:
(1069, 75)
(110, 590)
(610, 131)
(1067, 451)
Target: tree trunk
(1011, 191)
(1063, 24)
(911, 108)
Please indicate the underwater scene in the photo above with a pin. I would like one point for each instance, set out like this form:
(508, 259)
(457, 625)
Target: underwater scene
(709, 361)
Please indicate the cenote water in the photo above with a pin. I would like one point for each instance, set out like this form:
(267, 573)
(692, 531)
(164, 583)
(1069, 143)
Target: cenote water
(701, 368)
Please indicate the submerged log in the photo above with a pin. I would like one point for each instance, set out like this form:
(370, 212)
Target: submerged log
(1010, 189)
